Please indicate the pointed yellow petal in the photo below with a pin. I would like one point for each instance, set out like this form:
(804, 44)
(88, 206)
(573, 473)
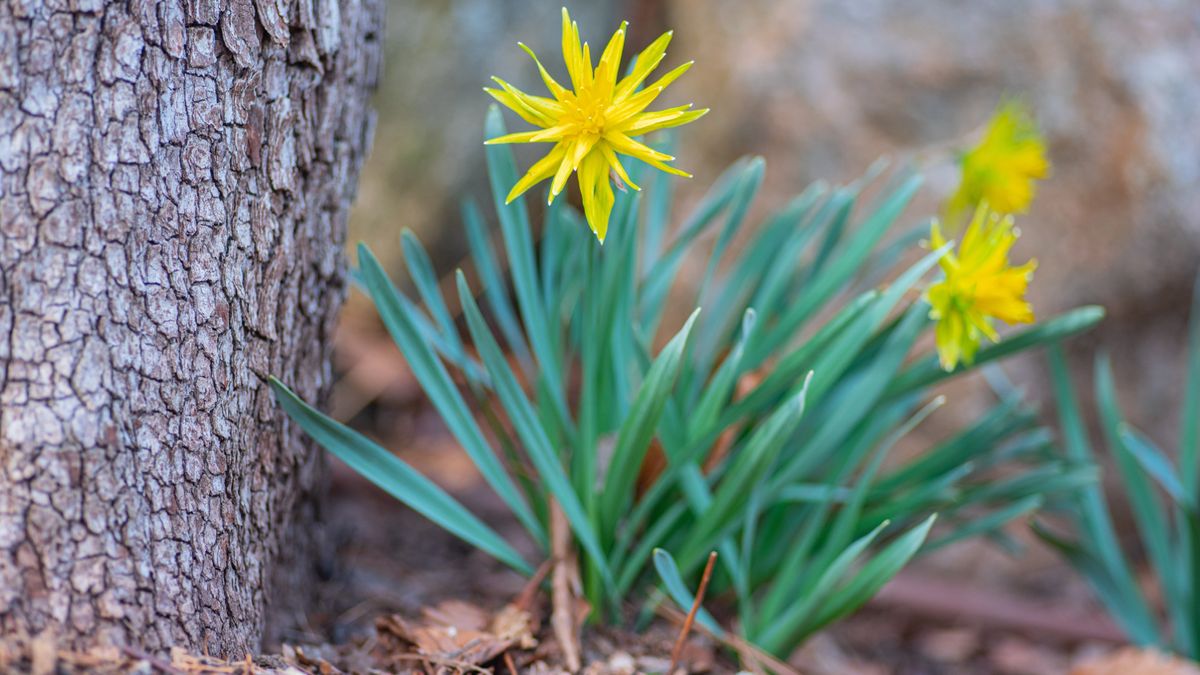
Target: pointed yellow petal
(583, 145)
(597, 194)
(555, 88)
(540, 171)
(546, 109)
(667, 168)
(610, 59)
(555, 133)
(627, 146)
(563, 172)
(509, 101)
(587, 74)
(572, 54)
(639, 101)
(645, 64)
(649, 124)
(671, 76)
(519, 137)
(615, 164)
(619, 112)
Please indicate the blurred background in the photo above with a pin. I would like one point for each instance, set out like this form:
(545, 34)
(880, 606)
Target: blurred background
(821, 89)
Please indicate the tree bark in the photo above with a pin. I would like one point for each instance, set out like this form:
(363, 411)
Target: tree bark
(175, 179)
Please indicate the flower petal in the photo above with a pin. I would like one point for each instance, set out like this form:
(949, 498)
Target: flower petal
(540, 171)
(643, 65)
(555, 88)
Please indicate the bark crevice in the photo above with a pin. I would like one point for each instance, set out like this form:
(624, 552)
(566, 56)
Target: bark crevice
(175, 179)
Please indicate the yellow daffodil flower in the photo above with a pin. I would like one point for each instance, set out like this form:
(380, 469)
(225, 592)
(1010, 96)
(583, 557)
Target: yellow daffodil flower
(979, 287)
(594, 121)
(1002, 167)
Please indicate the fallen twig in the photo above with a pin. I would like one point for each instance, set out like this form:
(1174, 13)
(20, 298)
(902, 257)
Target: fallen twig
(730, 640)
(562, 616)
(691, 617)
(524, 600)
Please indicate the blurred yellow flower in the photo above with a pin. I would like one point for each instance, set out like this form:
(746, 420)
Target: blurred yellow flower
(979, 286)
(1002, 167)
(593, 121)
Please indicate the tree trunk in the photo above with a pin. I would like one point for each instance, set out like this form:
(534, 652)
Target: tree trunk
(175, 179)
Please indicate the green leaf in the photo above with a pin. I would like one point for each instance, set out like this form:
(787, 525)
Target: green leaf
(928, 371)
(1125, 604)
(781, 629)
(842, 268)
(1152, 520)
(529, 430)
(638, 428)
(873, 575)
(1092, 514)
(495, 289)
(518, 242)
(397, 478)
(653, 291)
(436, 382)
(1156, 464)
(987, 523)
(747, 469)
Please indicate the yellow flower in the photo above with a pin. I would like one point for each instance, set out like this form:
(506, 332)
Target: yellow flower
(594, 120)
(1002, 168)
(979, 286)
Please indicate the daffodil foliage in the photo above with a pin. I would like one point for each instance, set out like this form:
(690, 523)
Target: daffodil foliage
(584, 380)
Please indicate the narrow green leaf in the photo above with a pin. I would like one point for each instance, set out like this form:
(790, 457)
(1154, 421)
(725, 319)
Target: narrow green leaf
(841, 269)
(781, 629)
(495, 289)
(873, 575)
(1156, 464)
(528, 428)
(1125, 604)
(397, 478)
(987, 523)
(928, 371)
(1093, 515)
(518, 242)
(1153, 521)
(436, 382)
(638, 428)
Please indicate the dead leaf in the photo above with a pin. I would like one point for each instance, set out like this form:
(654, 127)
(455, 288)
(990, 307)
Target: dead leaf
(462, 633)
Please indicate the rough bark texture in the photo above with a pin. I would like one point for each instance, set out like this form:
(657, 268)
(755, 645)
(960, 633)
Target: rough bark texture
(175, 179)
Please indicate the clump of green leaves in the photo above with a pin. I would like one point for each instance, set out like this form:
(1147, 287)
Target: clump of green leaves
(1163, 495)
(787, 480)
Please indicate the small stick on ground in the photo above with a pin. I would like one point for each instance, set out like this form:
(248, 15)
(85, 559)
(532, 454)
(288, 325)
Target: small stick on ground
(562, 616)
(730, 640)
(508, 661)
(691, 617)
(524, 600)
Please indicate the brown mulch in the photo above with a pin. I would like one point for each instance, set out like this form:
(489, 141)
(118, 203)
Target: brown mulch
(406, 597)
